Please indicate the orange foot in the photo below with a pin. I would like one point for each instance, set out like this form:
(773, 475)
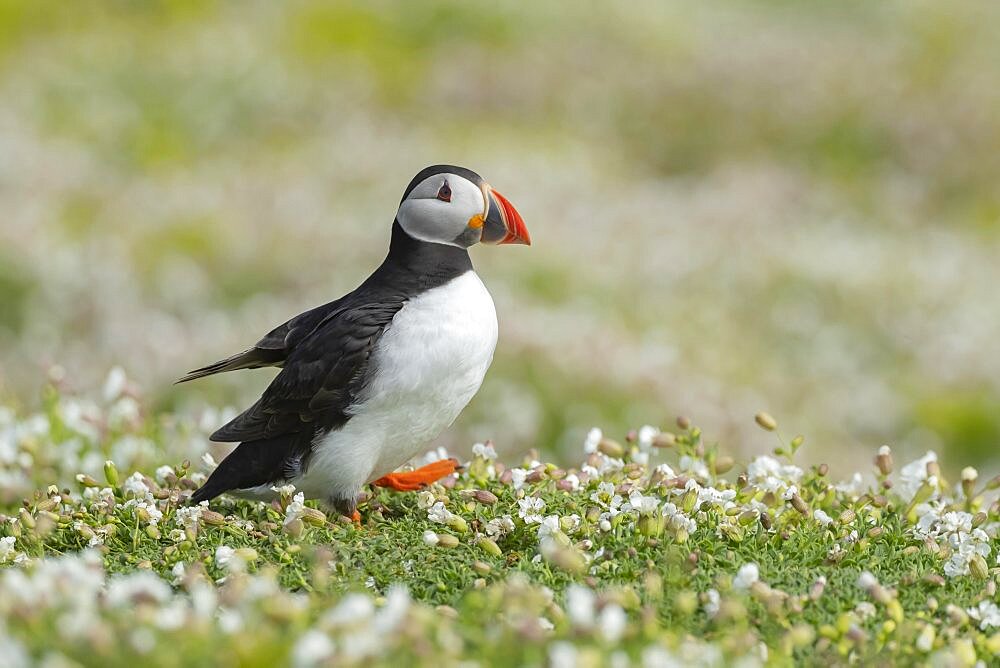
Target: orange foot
(411, 481)
(356, 517)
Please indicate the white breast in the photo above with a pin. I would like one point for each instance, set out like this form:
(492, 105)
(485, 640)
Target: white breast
(428, 364)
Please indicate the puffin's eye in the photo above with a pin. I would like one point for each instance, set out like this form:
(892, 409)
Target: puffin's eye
(444, 194)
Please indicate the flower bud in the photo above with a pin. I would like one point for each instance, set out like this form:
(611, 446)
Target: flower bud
(611, 448)
(969, 477)
(458, 523)
(883, 461)
(490, 547)
(212, 518)
(152, 532)
(723, 465)
(935, 579)
(683, 422)
(111, 473)
(447, 540)
(978, 567)
(765, 421)
(800, 505)
(314, 517)
(650, 525)
(689, 500)
(481, 567)
(294, 528)
(247, 554)
(664, 440)
(847, 516)
(86, 480)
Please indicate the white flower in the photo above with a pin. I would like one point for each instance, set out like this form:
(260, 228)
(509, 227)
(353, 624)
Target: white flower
(647, 434)
(430, 538)
(580, 603)
(612, 623)
(563, 654)
(114, 384)
(530, 509)
(545, 624)
(224, 556)
(665, 471)
(484, 450)
(746, 576)
(549, 527)
(314, 647)
(770, 475)
(6, 549)
(162, 472)
(644, 505)
(141, 586)
(867, 580)
(593, 439)
(438, 513)
(500, 526)
(283, 490)
(852, 487)
(518, 476)
(677, 519)
(188, 516)
(295, 508)
(353, 610)
(694, 466)
(573, 480)
(606, 497)
(865, 609)
(208, 460)
(425, 499)
(712, 604)
(988, 614)
(135, 485)
(820, 516)
(711, 495)
(155, 515)
(913, 475)
(925, 642)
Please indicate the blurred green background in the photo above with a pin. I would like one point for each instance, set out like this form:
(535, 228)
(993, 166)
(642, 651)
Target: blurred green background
(735, 206)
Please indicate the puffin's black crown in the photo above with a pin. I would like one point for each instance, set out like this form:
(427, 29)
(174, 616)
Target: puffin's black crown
(442, 169)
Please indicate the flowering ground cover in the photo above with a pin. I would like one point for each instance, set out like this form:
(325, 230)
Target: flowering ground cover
(656, 550)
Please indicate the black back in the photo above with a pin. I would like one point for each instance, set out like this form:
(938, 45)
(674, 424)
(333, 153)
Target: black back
(325, 354)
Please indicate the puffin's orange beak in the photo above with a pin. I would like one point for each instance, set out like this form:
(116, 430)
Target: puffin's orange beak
(503, 224)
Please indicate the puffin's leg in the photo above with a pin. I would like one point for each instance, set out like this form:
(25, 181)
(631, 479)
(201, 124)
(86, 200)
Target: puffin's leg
(410, 481)
(348, 508)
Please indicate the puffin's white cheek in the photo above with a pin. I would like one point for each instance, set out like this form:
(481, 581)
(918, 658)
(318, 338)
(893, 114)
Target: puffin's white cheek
(431, 220)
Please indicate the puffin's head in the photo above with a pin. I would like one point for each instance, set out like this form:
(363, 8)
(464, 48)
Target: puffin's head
(452, 205)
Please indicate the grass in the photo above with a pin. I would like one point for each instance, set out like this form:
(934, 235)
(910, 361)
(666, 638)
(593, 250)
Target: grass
(658, 548)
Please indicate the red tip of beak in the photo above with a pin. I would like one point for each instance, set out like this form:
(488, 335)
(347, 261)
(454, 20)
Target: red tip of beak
(517, 232)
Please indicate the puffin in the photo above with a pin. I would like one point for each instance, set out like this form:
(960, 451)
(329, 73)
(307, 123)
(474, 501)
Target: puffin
(369, 380)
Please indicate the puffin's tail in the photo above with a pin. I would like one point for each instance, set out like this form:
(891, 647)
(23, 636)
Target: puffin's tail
(253, 358)
(254, 463)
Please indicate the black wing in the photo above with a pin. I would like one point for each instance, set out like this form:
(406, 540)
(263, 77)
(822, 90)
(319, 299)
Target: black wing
(275, 347)
(321, 378)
